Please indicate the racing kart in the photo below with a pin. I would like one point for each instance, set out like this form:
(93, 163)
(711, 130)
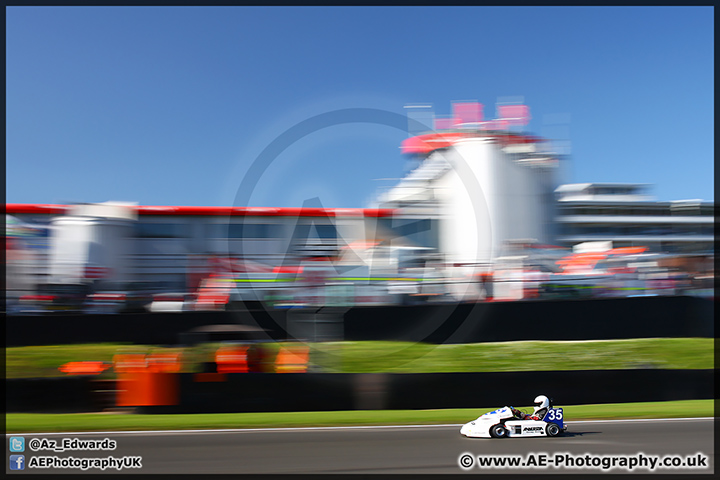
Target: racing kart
(503, 423)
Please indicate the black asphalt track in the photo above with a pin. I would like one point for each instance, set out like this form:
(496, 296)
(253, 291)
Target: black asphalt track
(370, 450)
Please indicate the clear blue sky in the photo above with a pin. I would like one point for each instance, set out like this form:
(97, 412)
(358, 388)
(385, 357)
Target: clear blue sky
(170, 106)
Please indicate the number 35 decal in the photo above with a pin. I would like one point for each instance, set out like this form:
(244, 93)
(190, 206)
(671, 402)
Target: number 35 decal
(555, 414)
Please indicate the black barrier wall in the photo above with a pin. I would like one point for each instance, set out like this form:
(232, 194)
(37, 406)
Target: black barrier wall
(268, 392)
(466, 390)
(311, 392)
(49, 395)
(634, 317)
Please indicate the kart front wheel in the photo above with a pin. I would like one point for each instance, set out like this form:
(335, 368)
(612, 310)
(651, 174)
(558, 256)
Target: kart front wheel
(552, 430)
(498, 431)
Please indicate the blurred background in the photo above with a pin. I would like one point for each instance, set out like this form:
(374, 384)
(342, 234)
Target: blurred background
(481, 217)
(411, 232)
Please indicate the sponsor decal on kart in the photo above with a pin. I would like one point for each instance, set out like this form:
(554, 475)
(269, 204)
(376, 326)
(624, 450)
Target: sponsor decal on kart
(532, 429)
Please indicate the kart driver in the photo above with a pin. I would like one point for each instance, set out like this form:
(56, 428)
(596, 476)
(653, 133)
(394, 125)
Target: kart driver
(542, 405)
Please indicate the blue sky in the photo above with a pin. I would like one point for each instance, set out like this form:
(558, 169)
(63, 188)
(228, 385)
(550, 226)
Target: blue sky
(171, 106)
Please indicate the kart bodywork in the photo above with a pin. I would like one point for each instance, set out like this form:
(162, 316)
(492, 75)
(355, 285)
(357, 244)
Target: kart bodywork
(502, 423)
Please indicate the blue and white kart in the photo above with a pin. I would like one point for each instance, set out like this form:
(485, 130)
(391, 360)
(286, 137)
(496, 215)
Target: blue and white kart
(502, 423)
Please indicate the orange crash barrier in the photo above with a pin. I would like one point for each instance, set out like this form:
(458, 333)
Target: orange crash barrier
(292, 359)
(164, 362)
(232, 359)
(147, 380)
(84, 368)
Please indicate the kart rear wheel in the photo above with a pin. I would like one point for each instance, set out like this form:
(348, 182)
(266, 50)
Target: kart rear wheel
(498, 431)
(552, 430)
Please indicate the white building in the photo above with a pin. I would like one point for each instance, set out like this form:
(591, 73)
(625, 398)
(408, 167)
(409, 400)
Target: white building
(171, 245)
(92, 241)
(626, 215)
(484, 188)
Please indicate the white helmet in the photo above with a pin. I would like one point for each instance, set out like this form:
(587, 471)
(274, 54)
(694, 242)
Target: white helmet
(541, 401)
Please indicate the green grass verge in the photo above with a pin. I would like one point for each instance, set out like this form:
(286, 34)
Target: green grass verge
(397, 357)
(43, 361)
(20, 422)
(407, 357)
